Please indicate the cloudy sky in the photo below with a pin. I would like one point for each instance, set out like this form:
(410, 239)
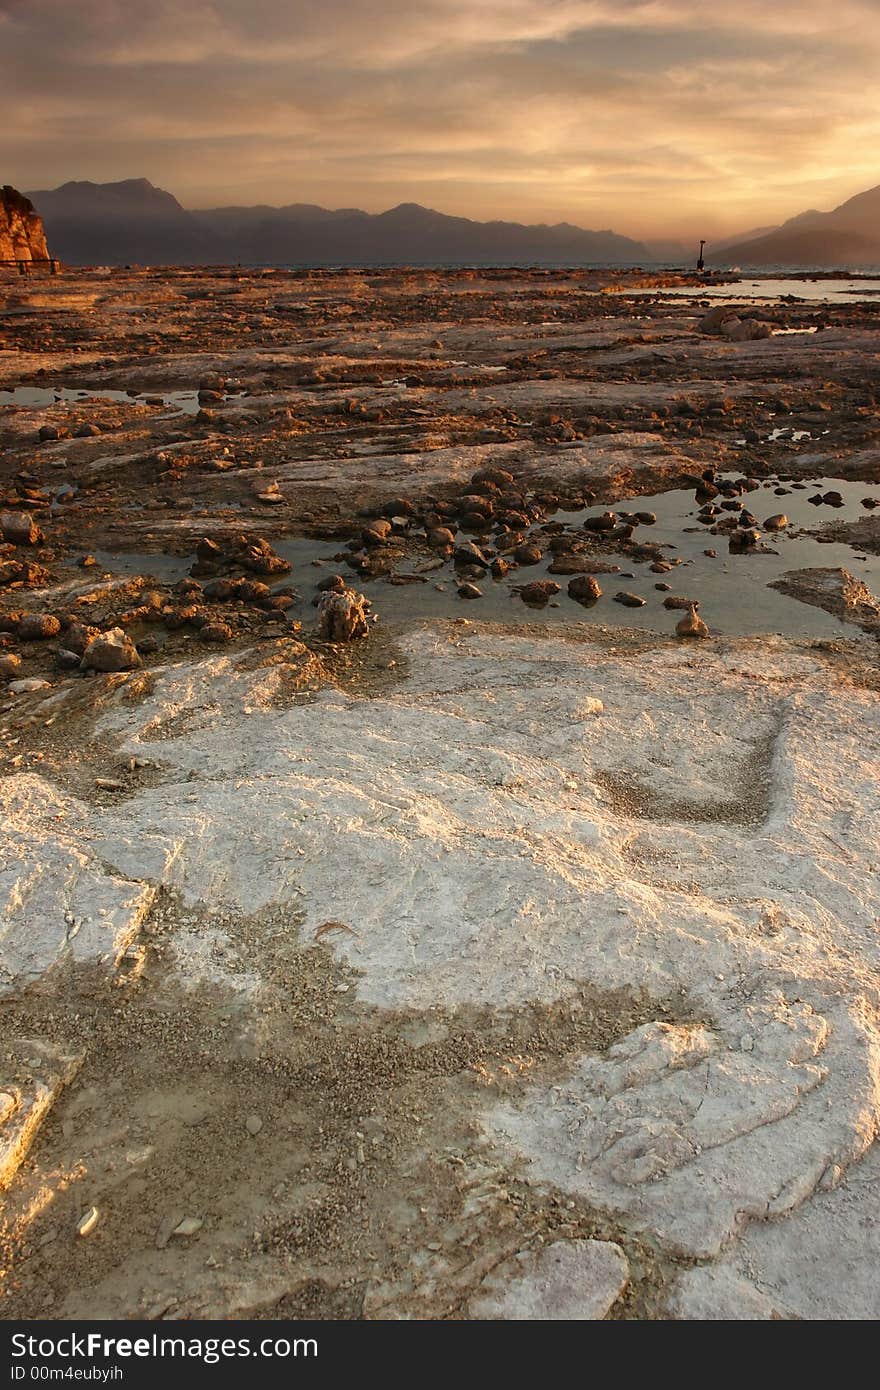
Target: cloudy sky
(653, 117)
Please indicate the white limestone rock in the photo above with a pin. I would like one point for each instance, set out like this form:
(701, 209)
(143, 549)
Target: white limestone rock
(32, 1073)
(567, 1281)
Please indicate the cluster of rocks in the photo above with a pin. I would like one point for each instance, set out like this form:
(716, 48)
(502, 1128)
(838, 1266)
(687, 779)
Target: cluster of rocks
(215, 613)
(493, 529)
(727, 322)
(722, 512)
(19, 532)
(79, 645)
(251, 553)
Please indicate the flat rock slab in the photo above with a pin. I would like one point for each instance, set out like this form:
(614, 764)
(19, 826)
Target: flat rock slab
(58, 901)
(568, 1281)
(822, 1262)
(865, 532)
(32, 1073)
(835, 590)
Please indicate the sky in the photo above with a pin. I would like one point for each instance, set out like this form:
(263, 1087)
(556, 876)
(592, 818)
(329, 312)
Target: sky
(653, 117)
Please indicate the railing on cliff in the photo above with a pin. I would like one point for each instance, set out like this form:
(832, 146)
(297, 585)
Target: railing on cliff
(25, 266)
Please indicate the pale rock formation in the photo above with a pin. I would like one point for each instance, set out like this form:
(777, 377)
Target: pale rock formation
(566, 1281)
(32, 1073)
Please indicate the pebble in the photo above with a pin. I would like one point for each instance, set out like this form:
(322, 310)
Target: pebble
(188, 1226)
(27, 686)
(87, 1222)
(253, 1124)
(629, 600)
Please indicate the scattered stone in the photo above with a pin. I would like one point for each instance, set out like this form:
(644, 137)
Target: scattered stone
(216, 632)
(469, 591)
(110, 651)
(87, 1222)
(776, 523)
(528, 555)
(466, 553)
(605, 522)
(377, 532)
(10, 665)
(744, 540)
(35, 627)
(253, 1124)
(19, 528)
(584, 588)
(188, 1226)
(539, 592)
(629, 600)
(28, 686)
(441, 538)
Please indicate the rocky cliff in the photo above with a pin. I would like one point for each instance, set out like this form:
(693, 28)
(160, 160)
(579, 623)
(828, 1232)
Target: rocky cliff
(21, 229)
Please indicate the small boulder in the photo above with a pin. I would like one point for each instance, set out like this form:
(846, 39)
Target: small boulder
(110, 651)
(34, 627)
(539, 592)
(584, 588)
(19, 528)
(343, 617)
(528, 554)
(691, 625)
(216, 632)
(377, 532)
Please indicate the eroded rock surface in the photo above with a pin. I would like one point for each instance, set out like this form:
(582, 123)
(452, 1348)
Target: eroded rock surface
(22, 237)
(573, 1281)
(32, 1073)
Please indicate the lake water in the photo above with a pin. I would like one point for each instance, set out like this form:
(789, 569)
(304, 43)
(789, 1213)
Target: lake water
(732, 589)
(39, 397)
(768, 290)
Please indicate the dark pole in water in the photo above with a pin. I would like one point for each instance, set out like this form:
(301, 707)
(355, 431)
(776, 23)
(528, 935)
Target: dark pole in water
(700, 262)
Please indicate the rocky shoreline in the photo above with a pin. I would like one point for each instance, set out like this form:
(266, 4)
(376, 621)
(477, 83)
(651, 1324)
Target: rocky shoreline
(438, 966)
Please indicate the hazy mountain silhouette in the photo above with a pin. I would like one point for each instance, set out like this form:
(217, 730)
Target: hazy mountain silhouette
(406, 235)
(122, 223)
(848, 236)
(134, 222)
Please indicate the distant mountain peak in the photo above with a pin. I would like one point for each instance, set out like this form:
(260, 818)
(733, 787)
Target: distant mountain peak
(847, 236)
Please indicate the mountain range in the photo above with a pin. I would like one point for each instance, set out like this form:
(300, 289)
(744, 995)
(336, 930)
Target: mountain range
(847, 236)
(133, 222)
